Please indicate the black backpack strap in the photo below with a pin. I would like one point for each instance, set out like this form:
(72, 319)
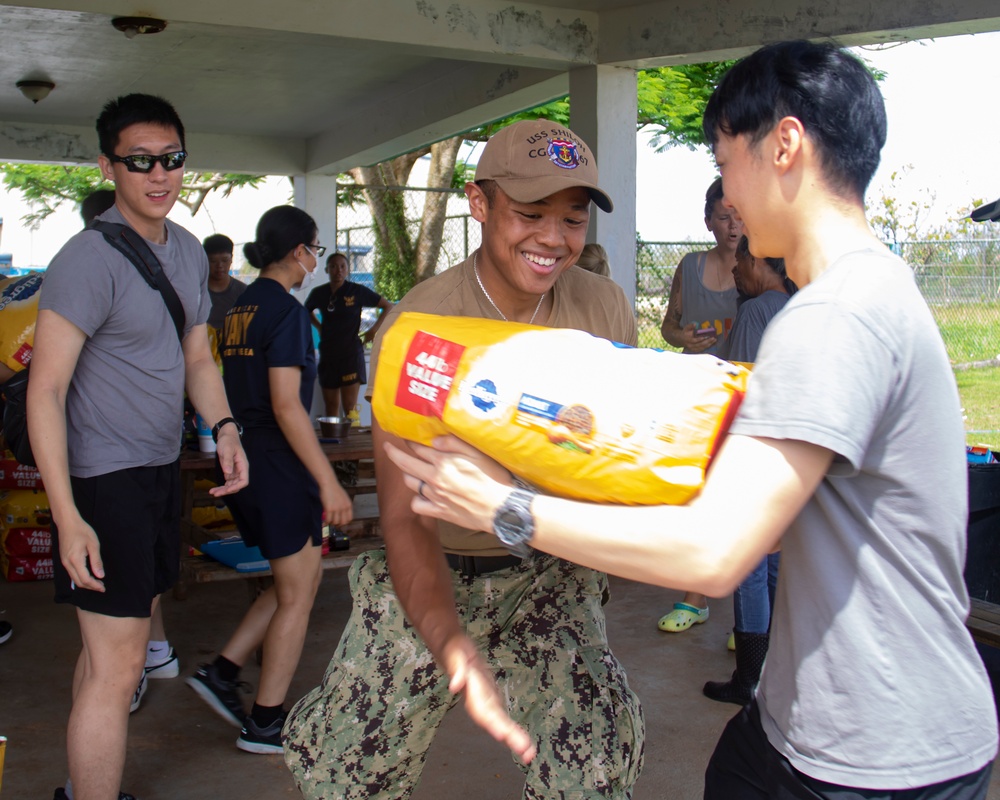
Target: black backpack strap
(131, 245)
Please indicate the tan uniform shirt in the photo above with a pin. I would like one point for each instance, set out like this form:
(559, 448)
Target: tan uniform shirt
(581, 300)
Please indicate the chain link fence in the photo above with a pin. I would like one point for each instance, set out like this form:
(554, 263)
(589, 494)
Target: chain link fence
(960, 279)
(357, 234)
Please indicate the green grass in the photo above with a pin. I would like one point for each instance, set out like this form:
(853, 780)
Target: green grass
(980, 393)
(971, 332)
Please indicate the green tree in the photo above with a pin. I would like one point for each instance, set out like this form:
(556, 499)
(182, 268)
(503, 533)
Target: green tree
(47, 186)
(671, 102)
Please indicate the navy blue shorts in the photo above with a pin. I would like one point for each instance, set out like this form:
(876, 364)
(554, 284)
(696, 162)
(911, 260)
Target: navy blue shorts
(342, 368)
(745, 766)
(135, 513)
(280, 510)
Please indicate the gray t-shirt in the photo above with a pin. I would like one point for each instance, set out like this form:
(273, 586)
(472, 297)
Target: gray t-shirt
(705, 307)
(223, 301)
(125, 402)
(871, 678)
(752, 318)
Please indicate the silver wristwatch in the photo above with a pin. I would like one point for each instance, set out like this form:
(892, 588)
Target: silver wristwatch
(514, 524)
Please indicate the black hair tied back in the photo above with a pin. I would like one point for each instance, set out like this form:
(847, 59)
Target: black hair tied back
(257, 254)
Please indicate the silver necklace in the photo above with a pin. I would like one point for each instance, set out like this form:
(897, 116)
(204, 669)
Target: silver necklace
(475, 269)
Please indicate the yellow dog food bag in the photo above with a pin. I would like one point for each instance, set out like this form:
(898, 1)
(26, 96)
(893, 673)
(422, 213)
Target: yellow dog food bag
(572, 413)
(18, 312)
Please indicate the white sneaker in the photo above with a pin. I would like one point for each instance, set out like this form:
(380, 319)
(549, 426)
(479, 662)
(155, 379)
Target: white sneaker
(140, 690)
(168, 668)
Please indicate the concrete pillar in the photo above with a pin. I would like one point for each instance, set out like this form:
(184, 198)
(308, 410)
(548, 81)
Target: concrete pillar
(317, 196)
(604, 108)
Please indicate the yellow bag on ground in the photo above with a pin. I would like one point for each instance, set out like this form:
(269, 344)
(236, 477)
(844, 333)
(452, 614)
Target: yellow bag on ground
(25, 508)
(572, 413)
(18, 313)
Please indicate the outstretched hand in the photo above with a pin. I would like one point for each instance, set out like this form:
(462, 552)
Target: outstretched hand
(232, 459)
(470, 676)
(452, 481)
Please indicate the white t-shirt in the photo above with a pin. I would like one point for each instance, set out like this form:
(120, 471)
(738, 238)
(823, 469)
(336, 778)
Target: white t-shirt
(871, 679)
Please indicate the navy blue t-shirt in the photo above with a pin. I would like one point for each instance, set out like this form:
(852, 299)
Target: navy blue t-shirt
(340, 313)
(266, 328)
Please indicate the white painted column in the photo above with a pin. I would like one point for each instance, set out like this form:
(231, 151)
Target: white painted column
(604, 108)
(317, 196)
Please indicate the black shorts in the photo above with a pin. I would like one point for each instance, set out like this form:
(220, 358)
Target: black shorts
(745, 766)
(342, 368)
(135, 513)
(280, 510)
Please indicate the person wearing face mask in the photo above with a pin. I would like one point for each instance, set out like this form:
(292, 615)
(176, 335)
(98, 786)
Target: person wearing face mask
(269, 369)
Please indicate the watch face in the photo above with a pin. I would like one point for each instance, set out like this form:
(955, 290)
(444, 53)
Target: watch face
(513, 523)
(513, 518)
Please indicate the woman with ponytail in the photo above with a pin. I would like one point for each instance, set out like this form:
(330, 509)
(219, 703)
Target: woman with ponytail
(269, 368)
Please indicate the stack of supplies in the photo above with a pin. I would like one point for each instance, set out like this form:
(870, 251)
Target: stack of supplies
(25, 535)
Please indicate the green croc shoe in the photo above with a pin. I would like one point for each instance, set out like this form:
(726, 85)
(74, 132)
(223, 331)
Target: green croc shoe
(682, 617)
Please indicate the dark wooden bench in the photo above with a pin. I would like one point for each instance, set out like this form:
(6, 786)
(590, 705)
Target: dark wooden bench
(364, 535)
(984, 622)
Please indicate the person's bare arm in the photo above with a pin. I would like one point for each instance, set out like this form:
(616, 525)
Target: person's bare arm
(57, 347)
(386, 307)
(422, 581)
(704, 546)
(293, 419)
(671, 329)
(204, 387)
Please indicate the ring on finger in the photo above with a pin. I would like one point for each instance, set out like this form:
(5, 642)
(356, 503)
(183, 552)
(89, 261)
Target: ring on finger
(420, 490)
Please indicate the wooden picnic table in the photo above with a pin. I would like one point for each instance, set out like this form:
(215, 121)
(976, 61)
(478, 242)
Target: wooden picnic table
(195, 465)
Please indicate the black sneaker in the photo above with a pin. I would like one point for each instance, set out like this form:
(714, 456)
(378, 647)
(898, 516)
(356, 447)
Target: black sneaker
(220, 694)
(6, 630)
(61, 795)
(140, 690)
(254, 739)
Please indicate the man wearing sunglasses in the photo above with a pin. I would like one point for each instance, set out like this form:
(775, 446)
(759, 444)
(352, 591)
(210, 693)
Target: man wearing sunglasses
(106, 395)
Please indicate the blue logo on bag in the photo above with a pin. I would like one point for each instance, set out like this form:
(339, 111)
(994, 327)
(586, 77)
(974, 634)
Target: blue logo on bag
(484, 395)
(20, 290)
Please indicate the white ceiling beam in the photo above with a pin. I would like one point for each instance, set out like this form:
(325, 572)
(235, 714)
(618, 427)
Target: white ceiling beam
(67, 144)
(383, 131)
(667, 32)
(474, 30)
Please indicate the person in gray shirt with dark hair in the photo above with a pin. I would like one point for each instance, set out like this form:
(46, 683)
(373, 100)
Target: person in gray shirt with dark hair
(105, 404)
(223, 288)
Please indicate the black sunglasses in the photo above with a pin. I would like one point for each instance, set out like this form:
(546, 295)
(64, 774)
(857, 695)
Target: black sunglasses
(145, 163)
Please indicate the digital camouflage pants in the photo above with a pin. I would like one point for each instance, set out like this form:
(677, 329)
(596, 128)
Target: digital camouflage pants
(363, 734)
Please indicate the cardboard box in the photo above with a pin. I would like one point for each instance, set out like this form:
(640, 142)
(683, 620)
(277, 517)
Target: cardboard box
(26, 568)
(26, 541)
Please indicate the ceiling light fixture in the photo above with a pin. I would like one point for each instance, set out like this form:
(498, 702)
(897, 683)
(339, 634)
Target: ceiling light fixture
(134, 26)
(35, 90)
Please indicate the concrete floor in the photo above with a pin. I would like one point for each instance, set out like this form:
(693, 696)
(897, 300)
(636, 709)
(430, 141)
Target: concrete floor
(179, 749)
